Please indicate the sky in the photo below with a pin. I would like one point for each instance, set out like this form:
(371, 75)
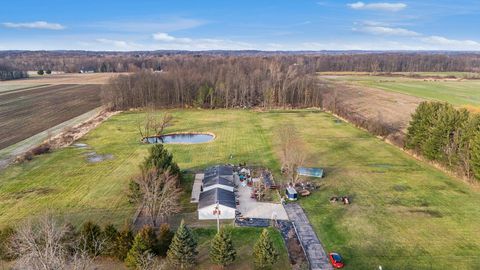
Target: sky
(240, 25)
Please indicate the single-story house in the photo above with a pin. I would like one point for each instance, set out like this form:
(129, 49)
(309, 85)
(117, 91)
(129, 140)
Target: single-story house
(216, 199)
(217, 193)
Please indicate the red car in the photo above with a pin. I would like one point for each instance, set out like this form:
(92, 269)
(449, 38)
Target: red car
(336, 260)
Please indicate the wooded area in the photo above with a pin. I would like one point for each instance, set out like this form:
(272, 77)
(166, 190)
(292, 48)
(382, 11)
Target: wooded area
(214, 82)
(9, 73)
(76, 61)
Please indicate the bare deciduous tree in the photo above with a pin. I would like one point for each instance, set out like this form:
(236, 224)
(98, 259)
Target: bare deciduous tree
(293, 151)
(48, 244)
(154, 124)
(160, 194)
(41, 244)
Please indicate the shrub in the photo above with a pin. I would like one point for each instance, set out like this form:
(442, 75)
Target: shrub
(40, 72)
(5, 236)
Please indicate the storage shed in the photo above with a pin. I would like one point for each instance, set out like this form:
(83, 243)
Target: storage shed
(310, 172)
(291, 194)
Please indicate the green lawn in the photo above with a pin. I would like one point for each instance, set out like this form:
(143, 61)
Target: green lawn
(466, 92)
(243, 240)
(404, 214)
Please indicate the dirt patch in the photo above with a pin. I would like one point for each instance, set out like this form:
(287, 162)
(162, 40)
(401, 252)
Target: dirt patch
(70, 135)
(32, 191)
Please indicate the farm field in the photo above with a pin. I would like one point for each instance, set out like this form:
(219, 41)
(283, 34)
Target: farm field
(66, 78)
(404, 214)
(457, 92)
(27, 111)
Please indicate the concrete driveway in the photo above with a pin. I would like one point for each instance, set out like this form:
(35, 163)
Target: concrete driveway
(253, 209)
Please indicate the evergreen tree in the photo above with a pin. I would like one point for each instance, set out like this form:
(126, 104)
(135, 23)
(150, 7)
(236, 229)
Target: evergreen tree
(264, 253)
(183, 249)
(222, 251)
(110, 235)
(124, 241)
(162, 160)
(165, 236)
(91, 234)
(144, 243)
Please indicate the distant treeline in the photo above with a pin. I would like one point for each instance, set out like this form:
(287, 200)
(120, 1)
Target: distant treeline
(217, 82)
(77, 61)
(447, 135)
(9, 73)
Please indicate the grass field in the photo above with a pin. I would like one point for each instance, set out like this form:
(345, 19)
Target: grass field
(457, 92)
(404, 214)
(25, 112)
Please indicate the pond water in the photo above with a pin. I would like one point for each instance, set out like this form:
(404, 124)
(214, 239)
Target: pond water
(180, 138)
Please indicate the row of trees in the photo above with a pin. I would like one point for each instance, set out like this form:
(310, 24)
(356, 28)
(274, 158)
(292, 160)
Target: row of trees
(447, 135)
(49, 244)
(217, 83)
(75, 61)
(9, 73)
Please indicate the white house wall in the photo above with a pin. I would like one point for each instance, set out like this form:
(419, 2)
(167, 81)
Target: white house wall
(207, 212)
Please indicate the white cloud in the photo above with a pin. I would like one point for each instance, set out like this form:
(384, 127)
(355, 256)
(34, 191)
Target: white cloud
(451, 44)
(378, 6)
(386, 31)
(117, 44)
(164, 37)
(167, 41)
(35, 25)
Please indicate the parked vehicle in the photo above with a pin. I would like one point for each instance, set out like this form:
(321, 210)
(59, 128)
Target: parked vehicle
(336, 260)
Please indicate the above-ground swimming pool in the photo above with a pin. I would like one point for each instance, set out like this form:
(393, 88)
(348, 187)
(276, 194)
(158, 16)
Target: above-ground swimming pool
(181, 138)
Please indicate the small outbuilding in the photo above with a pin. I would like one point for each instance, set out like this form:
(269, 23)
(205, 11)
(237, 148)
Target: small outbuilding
(310, 172)
(291, 193)
(215, 202)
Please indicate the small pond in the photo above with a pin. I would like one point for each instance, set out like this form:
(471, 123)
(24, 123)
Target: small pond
(181, 138)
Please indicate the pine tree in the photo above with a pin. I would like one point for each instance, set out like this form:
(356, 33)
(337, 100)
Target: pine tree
(264, 252)
(91, 234)
(160, 159)
(144, 243)
(222, 251)
(165, 236)
(110, 235)
(124, 241)
(183, 249)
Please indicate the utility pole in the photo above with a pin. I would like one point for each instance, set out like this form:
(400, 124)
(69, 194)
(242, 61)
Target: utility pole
(216, 212)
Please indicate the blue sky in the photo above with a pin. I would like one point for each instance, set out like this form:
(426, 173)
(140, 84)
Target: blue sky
(240, 25)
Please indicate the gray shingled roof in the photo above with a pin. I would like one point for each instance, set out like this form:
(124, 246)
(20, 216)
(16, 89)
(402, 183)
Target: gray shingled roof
(223, 197)
(221, 174)
(213, 180)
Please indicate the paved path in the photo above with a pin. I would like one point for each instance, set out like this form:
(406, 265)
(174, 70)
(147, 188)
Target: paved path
(252, 208)
(197, 184)
(317, 257)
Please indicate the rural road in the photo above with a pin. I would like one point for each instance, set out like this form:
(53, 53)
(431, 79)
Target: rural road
(316, 255)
